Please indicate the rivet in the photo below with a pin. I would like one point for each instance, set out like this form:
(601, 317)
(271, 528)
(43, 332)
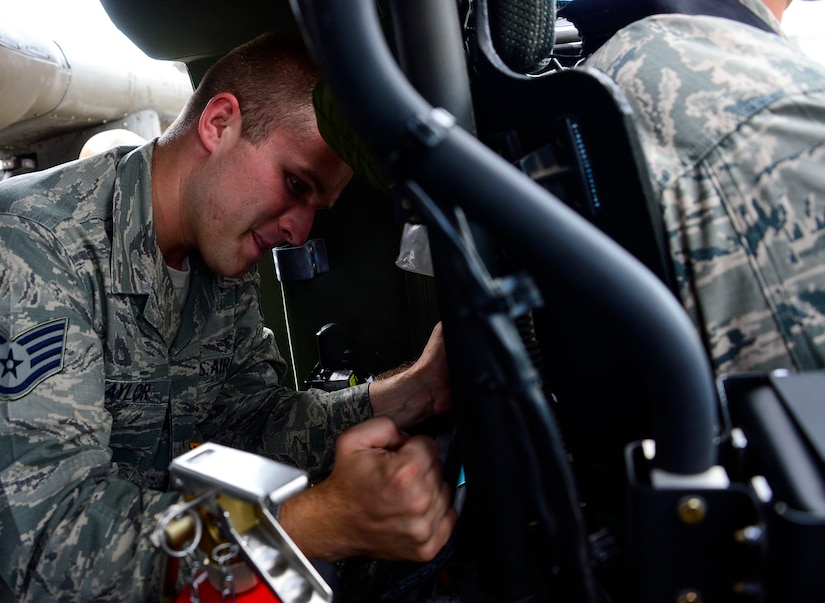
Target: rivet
(688, 596)
(692, 510)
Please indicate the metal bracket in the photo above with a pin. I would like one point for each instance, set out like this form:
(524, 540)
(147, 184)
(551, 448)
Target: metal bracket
(421, 133)
(301, 263)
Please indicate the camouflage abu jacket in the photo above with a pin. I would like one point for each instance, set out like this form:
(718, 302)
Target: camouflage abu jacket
(103, 381)
(732, 122)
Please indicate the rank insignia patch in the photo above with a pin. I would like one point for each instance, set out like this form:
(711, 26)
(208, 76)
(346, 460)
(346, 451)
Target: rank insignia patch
(31, 357)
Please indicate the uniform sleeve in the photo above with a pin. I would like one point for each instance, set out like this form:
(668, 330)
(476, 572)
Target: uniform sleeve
(297, 428)
(70, 530)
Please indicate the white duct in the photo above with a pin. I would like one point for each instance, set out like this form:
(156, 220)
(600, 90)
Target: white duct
(44, 91)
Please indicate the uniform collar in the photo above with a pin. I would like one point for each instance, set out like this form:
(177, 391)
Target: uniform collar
(136, 257)
(138, 269)
(761, 10)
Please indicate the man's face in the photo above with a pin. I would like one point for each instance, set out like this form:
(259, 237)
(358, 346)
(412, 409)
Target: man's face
(250, 199)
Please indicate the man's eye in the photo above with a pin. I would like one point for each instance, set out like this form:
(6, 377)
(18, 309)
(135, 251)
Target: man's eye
(297, 186)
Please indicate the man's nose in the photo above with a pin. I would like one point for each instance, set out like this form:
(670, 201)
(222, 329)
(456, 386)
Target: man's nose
(297, 224)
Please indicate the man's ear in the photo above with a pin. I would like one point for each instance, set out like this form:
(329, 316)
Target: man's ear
(220, 120)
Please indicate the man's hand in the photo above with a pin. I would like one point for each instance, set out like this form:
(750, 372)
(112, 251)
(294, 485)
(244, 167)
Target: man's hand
(385, 498)
(419, 392)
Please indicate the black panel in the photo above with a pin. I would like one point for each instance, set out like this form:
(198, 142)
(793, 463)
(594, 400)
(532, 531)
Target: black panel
(196, 31)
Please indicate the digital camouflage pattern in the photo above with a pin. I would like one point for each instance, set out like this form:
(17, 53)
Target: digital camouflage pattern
(103, 382)
(732, 122)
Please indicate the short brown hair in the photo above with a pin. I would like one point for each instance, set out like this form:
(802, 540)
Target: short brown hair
(272, 76)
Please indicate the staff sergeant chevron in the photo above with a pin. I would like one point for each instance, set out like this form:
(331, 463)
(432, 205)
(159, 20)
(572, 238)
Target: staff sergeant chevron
(31, 357)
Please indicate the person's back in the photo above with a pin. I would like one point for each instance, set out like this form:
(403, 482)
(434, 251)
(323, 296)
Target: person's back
(732, 122)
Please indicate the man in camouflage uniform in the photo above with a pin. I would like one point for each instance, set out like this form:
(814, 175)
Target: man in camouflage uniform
(131, 328)
(732, 121)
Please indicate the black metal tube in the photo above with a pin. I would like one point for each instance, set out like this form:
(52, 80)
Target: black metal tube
(557, 244)
(431, 54)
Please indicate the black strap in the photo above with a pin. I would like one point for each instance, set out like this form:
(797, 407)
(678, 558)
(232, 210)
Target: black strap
(598, 20)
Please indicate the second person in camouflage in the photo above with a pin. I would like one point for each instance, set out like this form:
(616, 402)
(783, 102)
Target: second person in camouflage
(732, 123)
